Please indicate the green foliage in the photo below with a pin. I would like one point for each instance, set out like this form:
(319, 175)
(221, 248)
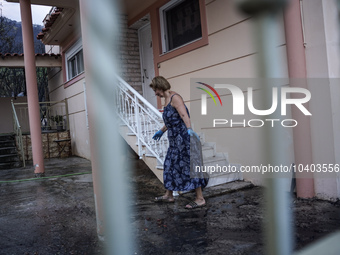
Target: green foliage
(12, 80)
(57, 119)
(10, 32)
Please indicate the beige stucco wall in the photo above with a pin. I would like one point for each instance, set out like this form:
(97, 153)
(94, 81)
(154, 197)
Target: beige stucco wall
(6, 115)
(322, 55)
(75, 96)
(231, 53)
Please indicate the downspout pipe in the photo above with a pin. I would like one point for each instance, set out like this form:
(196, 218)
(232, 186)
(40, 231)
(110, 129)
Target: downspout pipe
(32, 87)
(298, 78)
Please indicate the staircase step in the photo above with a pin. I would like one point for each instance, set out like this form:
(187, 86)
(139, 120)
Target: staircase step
(9, 158)
(208, 150)
(5, 137)
(218, 159)
(7, 143)
(217, 179)
(8, 150)
(10, 165)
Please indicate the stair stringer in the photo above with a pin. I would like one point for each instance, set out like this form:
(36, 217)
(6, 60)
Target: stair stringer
(131, 140)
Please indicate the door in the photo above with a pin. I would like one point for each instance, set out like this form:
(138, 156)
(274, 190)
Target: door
(147, 67)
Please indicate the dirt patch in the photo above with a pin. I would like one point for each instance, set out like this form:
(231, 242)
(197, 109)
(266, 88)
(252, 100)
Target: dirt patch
(231, 223)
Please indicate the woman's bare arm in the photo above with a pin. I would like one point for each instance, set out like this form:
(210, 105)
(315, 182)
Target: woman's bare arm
(178, 104)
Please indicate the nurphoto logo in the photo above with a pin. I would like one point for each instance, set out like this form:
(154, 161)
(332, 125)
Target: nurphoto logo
(281, 97)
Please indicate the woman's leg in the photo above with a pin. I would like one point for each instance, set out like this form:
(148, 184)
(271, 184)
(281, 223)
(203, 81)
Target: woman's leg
(199, 198)
(167, 197)
(169, 194)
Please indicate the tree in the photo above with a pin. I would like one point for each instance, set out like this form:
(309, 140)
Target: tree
(12, 80)
(8, 36)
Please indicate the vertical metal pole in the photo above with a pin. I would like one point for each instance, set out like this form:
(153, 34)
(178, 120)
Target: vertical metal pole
(278, 236)
(278, 215)
(110, 180)
(67, 115)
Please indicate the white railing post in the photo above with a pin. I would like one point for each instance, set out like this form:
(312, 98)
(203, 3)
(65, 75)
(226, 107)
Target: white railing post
(143, 119)
(136, 112)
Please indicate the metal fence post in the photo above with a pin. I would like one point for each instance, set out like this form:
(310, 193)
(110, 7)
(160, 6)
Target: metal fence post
(278, 236)
(67, 115)
(113, 202)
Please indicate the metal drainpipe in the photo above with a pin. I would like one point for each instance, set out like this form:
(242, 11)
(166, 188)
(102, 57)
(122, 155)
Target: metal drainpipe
(297, 73)
(100, 32)
(32, 87)
(278, 236)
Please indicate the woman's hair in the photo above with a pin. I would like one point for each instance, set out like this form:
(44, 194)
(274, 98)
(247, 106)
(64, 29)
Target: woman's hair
(159, 82)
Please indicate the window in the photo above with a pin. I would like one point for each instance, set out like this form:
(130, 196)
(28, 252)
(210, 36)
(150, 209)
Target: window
(180, 23)
(74, 60)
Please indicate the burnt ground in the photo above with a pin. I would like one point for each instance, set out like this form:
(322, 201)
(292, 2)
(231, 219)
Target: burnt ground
(57, 215)
(230, 224)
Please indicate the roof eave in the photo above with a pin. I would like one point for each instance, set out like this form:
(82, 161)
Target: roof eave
(41, 60)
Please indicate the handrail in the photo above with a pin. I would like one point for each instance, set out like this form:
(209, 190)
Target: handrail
(143, 120)
(18, 132)
(140, 97)
(53, 114)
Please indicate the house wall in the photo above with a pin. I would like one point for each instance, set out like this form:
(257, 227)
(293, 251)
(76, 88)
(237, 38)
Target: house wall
(322, 55)
(231, 53)
(6, 115)
(75, 90)
(75, 95)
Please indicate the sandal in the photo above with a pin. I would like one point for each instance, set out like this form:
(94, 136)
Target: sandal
(164, 199)
(194, 205)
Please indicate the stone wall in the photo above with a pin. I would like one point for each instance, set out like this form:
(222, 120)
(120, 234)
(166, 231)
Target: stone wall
(51, 148)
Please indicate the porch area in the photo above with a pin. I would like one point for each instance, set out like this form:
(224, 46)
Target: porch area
(55, 131)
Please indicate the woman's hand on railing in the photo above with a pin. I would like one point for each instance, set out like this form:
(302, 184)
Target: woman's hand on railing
(158, 135)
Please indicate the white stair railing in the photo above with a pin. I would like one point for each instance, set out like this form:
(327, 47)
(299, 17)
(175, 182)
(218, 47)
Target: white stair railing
(18, 134)
(143, 120)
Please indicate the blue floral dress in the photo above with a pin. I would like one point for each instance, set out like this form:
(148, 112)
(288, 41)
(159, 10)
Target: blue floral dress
(176, 173)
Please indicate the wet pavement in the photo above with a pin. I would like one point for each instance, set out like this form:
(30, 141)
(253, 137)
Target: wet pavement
(48, 216)
(57, 215)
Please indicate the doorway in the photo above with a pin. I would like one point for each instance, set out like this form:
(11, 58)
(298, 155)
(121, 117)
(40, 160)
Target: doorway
(146, 62)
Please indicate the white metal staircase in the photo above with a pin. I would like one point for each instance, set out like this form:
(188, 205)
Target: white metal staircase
(140, 120)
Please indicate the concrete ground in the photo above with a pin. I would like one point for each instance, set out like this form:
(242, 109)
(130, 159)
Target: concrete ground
(56, 215)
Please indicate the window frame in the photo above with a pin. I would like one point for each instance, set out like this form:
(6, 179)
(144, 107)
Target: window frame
(160, 57)
(163, 26)
(75, 49)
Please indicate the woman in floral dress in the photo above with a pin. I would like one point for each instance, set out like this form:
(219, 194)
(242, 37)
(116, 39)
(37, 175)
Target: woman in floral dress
(176, 118)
